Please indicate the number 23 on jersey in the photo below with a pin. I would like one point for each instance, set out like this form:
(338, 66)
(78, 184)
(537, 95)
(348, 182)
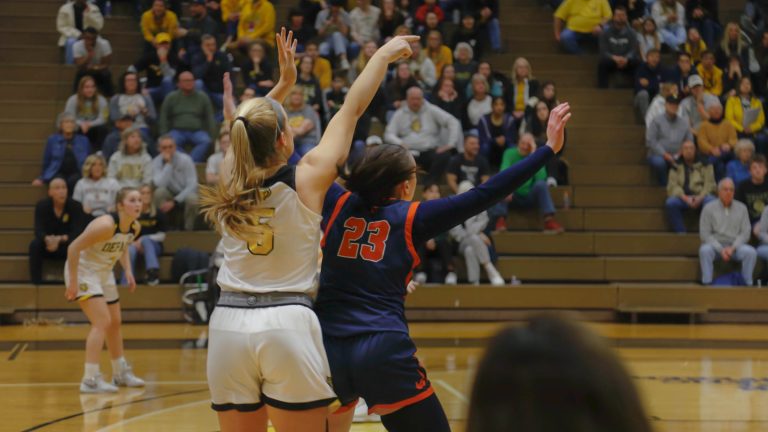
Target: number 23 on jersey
(370, 249)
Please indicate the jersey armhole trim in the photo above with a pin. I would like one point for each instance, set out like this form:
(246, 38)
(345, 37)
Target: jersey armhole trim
(336, 210)
(409, 238)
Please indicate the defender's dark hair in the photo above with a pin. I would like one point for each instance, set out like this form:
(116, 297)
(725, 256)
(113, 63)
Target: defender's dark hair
(375, 174)
(553, 375)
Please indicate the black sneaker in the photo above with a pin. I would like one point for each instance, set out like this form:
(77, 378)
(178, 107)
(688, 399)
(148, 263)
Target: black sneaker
(153, 277)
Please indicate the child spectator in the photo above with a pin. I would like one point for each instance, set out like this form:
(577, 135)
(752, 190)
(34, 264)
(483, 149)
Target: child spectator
(95, 191)
(257, 70)
(448, 99)
(473, 244)
(322, 67)
(439, 54)
(213, 166)
(131, 165)
(160, 67)
(158, 20)
(150, 243)
(303, 122)
(738, 168)
(468, 166)
(93, 55)
(694, 45)
(480, 104)
(522, 88)
(465, 64)
(618, 49)
(670, 17)
(65, 153)
(332, 25)
(390, 18)
(91, 111)
(498, 131)
(129, 101)
(313, 95)
(754, 192)
(647, 80)
(534, 192)
(691, 186)
(648, 38)
(175, 178)
(58, 221)
(74, 17)
(436, 255)
(536, 125)
(334, 97)
(422, 68)
(711, 74)
(745, 112)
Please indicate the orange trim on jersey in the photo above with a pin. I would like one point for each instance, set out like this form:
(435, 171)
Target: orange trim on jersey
(383, 409)
(339, 204)
(409, 239)
(346, 408)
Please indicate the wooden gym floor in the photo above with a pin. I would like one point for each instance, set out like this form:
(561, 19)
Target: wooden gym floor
(701, 378)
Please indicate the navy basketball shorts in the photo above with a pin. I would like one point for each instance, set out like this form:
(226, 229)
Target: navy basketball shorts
(379, 367)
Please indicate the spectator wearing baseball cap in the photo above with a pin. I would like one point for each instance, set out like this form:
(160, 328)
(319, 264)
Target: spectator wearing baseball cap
(694, 106)
(160, 68)
(664, 139)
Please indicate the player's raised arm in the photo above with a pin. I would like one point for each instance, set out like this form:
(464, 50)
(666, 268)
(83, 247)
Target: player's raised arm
(320, 164)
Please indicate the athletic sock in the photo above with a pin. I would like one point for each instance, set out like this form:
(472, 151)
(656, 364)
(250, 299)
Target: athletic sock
(118, 364)
(91, 370)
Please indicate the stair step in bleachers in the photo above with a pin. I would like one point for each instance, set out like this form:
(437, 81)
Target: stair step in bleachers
(600, 244)
(626, 175)
(21, 53)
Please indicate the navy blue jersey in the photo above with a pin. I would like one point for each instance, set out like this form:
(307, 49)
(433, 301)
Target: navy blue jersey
(368, 258)
(369, 254)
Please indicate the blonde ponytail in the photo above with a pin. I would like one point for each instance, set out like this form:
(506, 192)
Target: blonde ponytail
(253, 135)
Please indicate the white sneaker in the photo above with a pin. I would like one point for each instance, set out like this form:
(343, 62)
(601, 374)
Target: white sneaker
(451, 279)
(96, 385)
(493, 275)
(126, 378)
(420, 278)
(551, 182)
(497, 280)
(344, 64)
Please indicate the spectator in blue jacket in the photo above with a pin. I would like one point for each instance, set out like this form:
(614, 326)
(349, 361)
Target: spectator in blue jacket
(497, 131)
(647, 79)
(738, 168)
(64, 154)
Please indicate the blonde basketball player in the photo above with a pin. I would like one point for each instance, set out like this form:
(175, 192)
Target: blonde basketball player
(265, 355)
(90, 280)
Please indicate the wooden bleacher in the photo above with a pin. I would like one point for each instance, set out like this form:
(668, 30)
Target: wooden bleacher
(615, 256)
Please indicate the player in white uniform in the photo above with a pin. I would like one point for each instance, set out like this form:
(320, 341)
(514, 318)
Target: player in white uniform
(265, 354)
(90, 280)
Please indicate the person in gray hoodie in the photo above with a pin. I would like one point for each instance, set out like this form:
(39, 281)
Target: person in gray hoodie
(724, 229)
(618, 48)
(175, 178)
(664, 139)
(131, 165)
(427, 131)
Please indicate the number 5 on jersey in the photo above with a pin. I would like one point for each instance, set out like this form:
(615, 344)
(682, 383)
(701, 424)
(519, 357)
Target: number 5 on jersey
(264, 242)
(370, 249)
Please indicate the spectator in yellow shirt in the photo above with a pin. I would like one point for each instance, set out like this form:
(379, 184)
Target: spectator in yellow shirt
(160, 20)
(440, 54)
(322, 70)
(583, 21)
(257, 21)
(738, 107)
(711, 74)
(230, 14)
